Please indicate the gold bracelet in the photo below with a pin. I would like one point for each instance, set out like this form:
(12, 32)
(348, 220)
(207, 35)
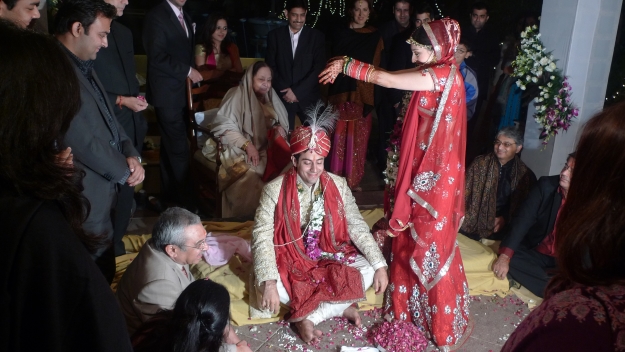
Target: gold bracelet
(244, 146)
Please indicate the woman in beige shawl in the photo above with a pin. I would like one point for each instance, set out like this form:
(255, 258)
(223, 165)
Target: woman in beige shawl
(250, 118)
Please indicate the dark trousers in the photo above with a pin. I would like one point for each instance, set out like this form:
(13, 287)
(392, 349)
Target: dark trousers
(136, 128)
(532, 269)
(121, 217)
(174, 156)
(99, 223)
(295, 109)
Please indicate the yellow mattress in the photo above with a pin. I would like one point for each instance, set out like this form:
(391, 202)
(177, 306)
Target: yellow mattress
(477, 260)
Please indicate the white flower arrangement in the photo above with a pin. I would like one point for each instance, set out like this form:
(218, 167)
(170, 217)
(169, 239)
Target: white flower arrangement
(533, 65)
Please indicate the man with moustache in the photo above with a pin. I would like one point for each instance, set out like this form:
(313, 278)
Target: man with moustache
(22, 13)
(168, 39)
(100, 146)
(296, 55)
(308, 225)
(527, 253)
(115, 66)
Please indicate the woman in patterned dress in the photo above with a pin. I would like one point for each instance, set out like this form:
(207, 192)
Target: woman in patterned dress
(428, 286)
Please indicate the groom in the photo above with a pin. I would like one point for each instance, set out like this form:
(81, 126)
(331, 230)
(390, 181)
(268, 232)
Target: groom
(312, 249)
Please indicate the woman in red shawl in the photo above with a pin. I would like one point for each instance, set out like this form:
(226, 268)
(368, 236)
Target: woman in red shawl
(428, 285)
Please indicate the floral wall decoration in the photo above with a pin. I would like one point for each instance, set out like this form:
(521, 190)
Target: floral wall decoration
(534, 65)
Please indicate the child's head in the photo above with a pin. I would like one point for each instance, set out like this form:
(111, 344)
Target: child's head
(463, 51)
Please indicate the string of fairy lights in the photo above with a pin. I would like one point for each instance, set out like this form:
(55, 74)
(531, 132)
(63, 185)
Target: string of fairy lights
(336, 6)
(617, 95)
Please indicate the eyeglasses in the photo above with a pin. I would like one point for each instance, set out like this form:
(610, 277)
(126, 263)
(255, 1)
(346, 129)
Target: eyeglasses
(201, 245)
(567, 167)
(497, 143)
(461, 51)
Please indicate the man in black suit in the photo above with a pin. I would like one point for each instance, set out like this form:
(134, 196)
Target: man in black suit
(527, 252)
(168, 38)
(100, 146)
(296, 55)
(115, 66)
(486, 51)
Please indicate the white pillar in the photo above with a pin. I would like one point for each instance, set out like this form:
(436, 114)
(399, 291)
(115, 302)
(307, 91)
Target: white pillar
(581, 34)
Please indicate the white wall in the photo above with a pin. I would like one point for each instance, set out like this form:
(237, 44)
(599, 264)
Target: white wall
(581, 34)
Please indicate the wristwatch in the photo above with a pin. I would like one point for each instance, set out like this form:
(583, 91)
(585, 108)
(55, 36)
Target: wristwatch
(138, 159)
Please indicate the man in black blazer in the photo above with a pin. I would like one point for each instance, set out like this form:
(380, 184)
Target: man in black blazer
(100, 146)
(168, 38)
(115, 66)
(527, 252)
(296, 55)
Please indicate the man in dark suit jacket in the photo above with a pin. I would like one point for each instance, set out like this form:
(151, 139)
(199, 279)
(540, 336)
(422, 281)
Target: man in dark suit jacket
(115, 66)
(296, 55)
(168, 38)
(527, 252)
(100, 146)
(399, 57)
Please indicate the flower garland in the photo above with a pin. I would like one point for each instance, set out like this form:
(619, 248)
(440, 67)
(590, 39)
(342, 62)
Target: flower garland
(533, 65)
(313, 229)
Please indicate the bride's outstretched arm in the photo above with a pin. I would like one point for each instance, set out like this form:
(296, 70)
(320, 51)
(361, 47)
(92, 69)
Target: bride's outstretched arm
(410, 79)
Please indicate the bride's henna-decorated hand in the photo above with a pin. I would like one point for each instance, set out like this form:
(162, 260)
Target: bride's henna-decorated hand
(332, 70)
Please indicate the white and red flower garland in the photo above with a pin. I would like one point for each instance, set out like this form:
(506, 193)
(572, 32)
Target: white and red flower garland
(533, 65)
(313, 230)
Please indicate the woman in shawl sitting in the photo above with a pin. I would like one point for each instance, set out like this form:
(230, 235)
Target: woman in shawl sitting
(251, 124)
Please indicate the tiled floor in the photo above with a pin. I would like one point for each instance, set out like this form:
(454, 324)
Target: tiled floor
(494, 319)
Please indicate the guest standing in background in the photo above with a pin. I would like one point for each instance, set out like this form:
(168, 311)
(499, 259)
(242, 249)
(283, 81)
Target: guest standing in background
(22, 13)
(99, 143)
(168, 37)
(115, 67)
(354, 99)
(483, 61)
(296, 55)
(385, 110)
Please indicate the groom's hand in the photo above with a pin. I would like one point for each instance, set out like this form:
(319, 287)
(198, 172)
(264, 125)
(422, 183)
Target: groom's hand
(380, 280)
(271, 299)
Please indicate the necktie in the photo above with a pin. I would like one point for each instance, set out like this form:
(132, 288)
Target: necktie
(181, 19)
(185, 272)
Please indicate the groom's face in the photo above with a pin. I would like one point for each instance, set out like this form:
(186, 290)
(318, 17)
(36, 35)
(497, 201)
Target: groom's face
(309, 167)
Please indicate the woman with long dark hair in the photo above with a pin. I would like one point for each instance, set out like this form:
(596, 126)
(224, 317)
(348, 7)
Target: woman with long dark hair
(585, 300)
(49, 283)
(196, 324)
(216, 53)
(425, 198)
